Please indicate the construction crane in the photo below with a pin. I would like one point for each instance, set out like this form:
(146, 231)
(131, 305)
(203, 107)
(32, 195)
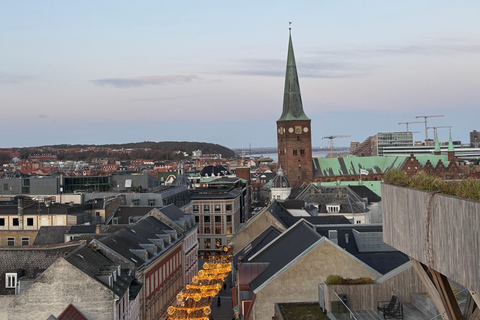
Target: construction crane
(435, 129)
(407, 123)
(426, 129)
(331, 142)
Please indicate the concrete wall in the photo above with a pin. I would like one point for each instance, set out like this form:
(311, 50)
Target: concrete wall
(60, 285)
(438, 230)
(253, 228)
(299, 283)
(45, 185)
(40, 185)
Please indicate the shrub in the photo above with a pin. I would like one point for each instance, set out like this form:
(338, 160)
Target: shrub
(396, 177)
(469, 188)
(423, 181)
(334, 279)
(363, 281)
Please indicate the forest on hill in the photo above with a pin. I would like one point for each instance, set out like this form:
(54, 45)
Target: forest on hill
(164, 150)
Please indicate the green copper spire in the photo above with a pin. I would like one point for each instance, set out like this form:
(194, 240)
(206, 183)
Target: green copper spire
(450, 143)
(437, 144)
(292, 100)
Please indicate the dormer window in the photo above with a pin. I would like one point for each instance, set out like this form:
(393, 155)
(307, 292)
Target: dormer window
(10, 280)
(333, 208)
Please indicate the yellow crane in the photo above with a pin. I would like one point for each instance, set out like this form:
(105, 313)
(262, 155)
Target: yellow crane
(407, 123)
(331, 142)
(435, 129)
(426, 129)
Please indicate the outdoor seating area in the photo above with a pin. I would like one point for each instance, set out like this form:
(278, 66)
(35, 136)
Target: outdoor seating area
(392, 309)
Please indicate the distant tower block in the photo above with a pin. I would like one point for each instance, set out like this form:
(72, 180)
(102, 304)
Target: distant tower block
(474, 139)
(293, 129)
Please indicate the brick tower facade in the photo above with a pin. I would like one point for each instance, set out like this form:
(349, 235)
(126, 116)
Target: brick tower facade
(294, 136)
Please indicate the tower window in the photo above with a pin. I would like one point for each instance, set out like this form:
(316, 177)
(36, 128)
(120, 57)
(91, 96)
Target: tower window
(302, 151)
(295, 152)
(298, 138)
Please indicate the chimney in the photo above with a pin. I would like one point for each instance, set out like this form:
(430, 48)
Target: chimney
(97, 229)
(20, 206)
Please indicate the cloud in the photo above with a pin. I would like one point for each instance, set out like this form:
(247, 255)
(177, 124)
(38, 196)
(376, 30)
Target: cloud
(137, 82)
(351, 62)
(42, 116)
(13, 78)
(312, 67)
(429, 47)
(164, 98)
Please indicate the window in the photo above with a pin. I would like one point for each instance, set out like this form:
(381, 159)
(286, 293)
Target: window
(218, 243)
(295, 152)
(197, 219)
(25, 241)
(206, 230)
(15, 222)
(151, 202)
(136, 202)
(10, 241)
(302, 151)
(30, 222)
(206, 208)
(2, 222)
(229, 218)
(206, 219)
(218, 218)
(358, 221)
(229, 230)
(217, 208)
(218, 230)
(228, 207)
(10, 280)
(206, 243)
(195, 208)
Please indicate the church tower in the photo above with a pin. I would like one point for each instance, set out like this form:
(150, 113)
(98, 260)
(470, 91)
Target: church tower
(293, 128)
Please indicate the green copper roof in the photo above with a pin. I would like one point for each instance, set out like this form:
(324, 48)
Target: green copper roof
(437, 144)
(350, 166)
(450, 143)
(292, 100)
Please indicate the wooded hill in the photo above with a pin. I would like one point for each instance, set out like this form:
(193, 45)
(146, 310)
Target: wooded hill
(164, 148)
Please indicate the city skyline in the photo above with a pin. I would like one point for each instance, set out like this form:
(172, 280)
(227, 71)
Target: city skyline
(108, 72)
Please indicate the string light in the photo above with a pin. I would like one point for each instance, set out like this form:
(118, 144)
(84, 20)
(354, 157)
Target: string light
(195, 301)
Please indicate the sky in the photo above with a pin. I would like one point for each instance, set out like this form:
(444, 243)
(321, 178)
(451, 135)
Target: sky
(98, 72)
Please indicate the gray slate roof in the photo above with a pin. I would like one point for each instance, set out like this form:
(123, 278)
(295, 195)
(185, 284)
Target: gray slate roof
(370, 249)
(96, 265)
(133, 236)
(257, 244)
(51, 235)
(283, 250)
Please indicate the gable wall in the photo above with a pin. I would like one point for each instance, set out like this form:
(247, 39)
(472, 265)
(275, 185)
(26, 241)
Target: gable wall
(60, 285)
(254, 229)
(300, 282)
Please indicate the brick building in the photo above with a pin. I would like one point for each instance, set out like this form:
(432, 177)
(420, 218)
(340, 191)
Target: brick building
(293, 129)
